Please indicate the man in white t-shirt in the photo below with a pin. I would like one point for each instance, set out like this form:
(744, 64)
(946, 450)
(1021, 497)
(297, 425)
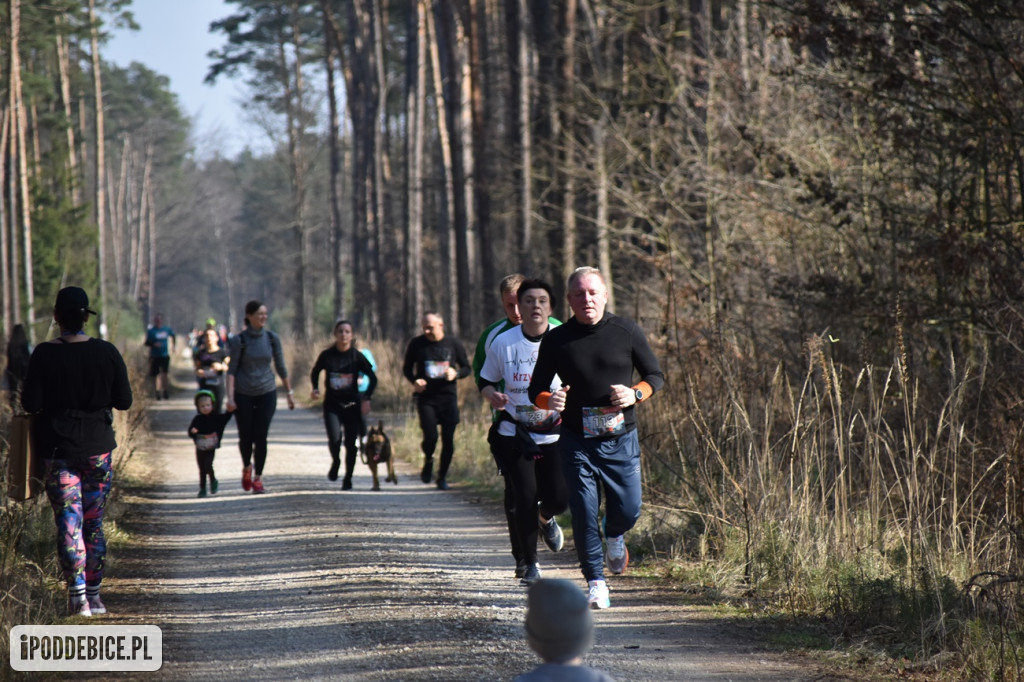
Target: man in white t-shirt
(527, 438)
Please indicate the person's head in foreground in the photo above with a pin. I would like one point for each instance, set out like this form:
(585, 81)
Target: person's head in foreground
(559, 626)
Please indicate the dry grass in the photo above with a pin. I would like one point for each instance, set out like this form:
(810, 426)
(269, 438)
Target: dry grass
(854, 496)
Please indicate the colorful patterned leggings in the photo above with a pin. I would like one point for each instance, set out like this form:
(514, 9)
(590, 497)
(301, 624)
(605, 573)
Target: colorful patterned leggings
(78, 494)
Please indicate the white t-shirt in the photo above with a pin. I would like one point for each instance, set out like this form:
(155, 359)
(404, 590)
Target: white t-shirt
(511, 357)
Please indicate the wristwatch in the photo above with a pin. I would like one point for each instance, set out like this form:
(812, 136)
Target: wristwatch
(638, 394)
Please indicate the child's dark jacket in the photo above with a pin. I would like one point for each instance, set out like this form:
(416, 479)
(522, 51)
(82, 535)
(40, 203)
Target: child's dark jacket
(209, 430)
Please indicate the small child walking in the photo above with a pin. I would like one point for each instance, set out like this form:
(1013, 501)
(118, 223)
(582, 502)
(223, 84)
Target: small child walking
(560, 629)
(206, 430)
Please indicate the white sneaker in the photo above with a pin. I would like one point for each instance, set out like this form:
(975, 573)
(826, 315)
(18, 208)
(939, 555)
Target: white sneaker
(96, 605)
(79, 606)
(616, 555)
(598, 596)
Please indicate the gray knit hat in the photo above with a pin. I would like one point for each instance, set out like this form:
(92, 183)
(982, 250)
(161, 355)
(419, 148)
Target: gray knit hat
(558, 622)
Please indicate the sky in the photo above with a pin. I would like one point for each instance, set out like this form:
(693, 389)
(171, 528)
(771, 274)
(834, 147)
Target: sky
(173, 41)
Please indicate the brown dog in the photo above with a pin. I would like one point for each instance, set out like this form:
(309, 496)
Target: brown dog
(378, 451)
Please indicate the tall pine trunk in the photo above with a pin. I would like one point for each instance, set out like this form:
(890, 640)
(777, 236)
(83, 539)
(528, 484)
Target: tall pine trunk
(19, 122)
(63, 71)
(337, 238)
(100, 195)
(415, 110)
(6, 280)
(446, 222)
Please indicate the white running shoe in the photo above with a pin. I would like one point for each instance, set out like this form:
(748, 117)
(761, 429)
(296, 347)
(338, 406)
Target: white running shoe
(598, 596)
(616, 554)
(79, 606)
(96, 605)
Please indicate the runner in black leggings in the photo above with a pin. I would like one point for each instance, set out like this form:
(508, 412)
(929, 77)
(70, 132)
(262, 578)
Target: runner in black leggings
(344, 405)
(252, 393)
(527, 439)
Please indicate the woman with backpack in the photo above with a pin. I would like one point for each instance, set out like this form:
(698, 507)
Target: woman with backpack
(252, 392)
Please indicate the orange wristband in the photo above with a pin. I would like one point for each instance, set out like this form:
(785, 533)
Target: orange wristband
(643, 391)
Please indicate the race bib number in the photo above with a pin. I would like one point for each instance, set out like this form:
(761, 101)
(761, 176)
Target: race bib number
(207, 441)
(599, 422)
(435, 369)
(339, 382)
(534, 418)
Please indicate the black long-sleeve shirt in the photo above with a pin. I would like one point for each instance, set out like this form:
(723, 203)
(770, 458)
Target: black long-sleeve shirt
(426, 359)
(343, 369)
(589, 359)
(71, 387)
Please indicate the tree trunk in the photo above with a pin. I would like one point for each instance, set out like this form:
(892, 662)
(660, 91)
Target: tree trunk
(416, 75)
(568, 135)
(520, 133)
(118, 211)
(18, 122)
(63, 70)
(6, 280)
(598, 142)
(337, 235)
(100, 164)
(151, 279)
(379, 164)
(467, 231)
(12, 204)
(145, 211)
(352, 52)
(484, 185)
(446, 224)
(294, 111)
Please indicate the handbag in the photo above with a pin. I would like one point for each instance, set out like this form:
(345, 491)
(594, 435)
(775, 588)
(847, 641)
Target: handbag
(24, 468)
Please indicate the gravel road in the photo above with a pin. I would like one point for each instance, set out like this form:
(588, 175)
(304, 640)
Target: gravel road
(409, 583)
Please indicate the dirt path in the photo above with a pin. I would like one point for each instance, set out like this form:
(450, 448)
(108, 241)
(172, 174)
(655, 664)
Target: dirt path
(409, 583)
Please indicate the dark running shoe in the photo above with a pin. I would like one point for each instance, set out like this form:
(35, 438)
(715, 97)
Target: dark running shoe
(346, 483)
(332, 475)
(442, 484)
(552, 534)
(428, 471)
(214, 485)
(531, 575)
(520, 569)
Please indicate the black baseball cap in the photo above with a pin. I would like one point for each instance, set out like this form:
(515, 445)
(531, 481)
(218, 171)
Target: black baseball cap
(71, 299)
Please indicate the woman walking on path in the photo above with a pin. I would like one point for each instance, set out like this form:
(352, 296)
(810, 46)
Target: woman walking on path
(72, 384)
(211, 362)
(345, 403)
(251, 391)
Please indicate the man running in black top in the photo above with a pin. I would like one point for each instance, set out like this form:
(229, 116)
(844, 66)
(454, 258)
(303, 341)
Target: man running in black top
(433, 363)
(595, 355)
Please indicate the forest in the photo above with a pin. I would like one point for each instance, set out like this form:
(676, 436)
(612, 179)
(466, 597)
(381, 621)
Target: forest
(815, 208)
